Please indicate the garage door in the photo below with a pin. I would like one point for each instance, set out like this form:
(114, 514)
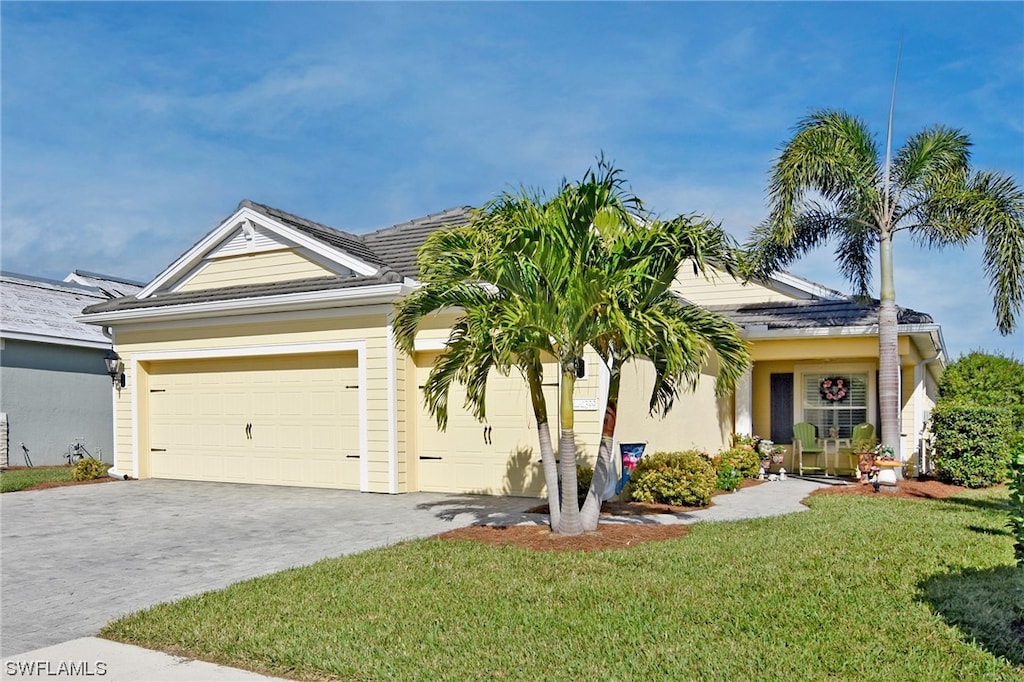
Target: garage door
(500, 456)
(280, 420)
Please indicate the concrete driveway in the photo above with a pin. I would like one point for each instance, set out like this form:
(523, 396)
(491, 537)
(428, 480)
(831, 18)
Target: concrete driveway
(74, 558)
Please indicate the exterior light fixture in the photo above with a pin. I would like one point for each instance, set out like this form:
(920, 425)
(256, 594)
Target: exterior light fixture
(114, 368)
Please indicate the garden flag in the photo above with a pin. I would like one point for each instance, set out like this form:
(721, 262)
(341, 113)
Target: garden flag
(631, 454)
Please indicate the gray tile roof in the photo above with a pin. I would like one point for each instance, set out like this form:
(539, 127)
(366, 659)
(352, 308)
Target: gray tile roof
(47, 308)
(813, 314)
(392, 249)
(397, 245)
(349, 243)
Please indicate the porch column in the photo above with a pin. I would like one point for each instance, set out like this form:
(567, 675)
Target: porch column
(743, 420)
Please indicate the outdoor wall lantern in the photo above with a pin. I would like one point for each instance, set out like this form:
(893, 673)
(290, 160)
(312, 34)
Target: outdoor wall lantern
(115, 368)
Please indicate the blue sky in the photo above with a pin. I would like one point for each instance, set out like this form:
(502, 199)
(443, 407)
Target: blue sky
(130, 130)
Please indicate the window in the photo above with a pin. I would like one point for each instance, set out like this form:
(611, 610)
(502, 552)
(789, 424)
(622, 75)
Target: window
(842, 414)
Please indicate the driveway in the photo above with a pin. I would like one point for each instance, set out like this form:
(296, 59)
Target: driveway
(74, 558)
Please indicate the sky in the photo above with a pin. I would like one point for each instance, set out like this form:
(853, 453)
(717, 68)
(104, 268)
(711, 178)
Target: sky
(130, 130)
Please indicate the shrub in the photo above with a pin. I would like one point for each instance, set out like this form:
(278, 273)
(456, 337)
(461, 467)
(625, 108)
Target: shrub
(87, 469)
(972, 443)
(684, 479)
(747, 462)
(728, 476)
(990, 380)
(584, 477)
(1017, 497)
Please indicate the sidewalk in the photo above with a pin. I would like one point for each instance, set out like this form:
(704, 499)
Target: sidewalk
(91, 658)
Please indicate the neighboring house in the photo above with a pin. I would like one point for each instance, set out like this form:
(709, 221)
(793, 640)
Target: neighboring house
(55, 388)
(266, 354)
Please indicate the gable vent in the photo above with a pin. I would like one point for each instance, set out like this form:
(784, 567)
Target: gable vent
(248, 238)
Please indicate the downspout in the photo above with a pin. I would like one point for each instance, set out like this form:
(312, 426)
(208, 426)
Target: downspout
(112, 472)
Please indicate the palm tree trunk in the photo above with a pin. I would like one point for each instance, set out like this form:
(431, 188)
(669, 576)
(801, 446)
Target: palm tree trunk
(569, 522)
(888, 349)
(605, 467)
(547, 453)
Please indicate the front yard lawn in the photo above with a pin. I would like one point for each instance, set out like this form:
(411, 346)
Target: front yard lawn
(22, 478)
(856, 589)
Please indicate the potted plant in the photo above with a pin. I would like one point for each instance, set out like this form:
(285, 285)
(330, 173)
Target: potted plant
(865, 449)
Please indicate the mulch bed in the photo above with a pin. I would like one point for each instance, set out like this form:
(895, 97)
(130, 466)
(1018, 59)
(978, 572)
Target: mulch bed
(910, 489)
(625, 535)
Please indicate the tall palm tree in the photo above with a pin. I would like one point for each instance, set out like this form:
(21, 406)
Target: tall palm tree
(829, 182)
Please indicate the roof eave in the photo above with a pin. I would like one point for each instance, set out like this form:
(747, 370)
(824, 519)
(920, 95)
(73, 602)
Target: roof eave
(367, 295)
(54, 340)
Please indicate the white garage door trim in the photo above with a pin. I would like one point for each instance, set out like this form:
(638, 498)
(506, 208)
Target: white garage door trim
(259, 351)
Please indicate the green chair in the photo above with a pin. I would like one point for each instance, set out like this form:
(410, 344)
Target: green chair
(805, 443)
(861, 432)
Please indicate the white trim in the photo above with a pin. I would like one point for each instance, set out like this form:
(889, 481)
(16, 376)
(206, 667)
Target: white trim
(760, 332)
(135, 416)
(372, 294)
(113, 425)
(788, 279)
(428, 345)
(919, 391)
(249, 351)
(55, 340)
(800, 369)
(364, 424)
(262, 351)
(391, 359)
(743, 421)
(258, 318)
(191, 258)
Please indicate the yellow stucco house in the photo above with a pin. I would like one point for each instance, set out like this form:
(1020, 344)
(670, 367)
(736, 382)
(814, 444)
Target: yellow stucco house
(265, 354)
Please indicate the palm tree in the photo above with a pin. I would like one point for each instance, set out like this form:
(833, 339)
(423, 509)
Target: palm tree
(830, 183)
(654, 324)
(457, 267)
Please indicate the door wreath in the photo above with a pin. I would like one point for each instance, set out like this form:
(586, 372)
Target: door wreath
(834, 389)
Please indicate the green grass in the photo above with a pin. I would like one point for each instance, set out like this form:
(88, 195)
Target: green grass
(19, 479)
(856, 589)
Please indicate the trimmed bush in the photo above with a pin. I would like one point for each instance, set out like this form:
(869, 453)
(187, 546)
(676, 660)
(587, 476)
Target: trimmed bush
(972, 443)
(729, 477)
(746, 461)
(983, 379)
(682, 479)
(87, 469)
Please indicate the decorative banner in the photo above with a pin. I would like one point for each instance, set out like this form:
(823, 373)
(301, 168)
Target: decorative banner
(834, 389)
(631, 454)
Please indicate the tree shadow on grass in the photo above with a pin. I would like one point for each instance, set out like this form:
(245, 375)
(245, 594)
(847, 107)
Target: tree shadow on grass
(987, 606)
(978, 503)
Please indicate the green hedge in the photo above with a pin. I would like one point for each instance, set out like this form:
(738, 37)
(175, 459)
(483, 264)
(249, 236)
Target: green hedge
(1017, 497)
(683, 479)
(972, 443)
